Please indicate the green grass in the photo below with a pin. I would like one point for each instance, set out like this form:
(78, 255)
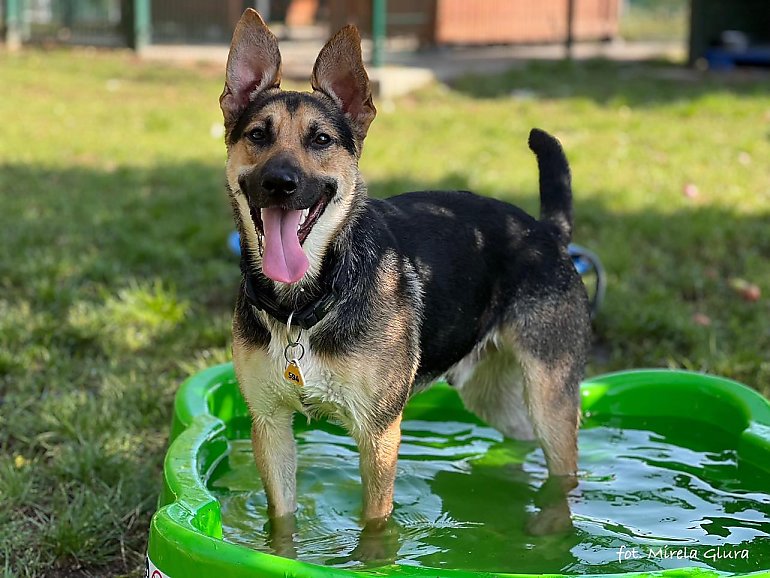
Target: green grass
(654, 20)
(115, 281)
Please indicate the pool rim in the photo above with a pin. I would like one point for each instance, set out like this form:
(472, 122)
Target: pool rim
(186, 531)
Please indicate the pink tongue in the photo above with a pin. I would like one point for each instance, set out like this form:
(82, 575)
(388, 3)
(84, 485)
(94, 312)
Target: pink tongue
(284, 260)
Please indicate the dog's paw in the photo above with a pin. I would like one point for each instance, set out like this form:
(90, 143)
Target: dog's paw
(378, 543)
(281, 536)
(553, 519)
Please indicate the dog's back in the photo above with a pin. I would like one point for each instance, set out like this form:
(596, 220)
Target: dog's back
(478, 259)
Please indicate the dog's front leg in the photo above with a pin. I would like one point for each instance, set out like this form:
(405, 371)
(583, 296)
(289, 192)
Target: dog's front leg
(272, 439)
(379, 454)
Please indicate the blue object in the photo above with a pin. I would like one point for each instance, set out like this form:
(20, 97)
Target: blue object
(587, 264)
(726, 59)
(234, 242)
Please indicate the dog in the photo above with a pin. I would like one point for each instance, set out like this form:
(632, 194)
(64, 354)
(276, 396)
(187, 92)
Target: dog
(348, 305)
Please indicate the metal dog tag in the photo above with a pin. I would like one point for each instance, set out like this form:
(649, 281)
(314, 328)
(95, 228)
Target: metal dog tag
(293, 373)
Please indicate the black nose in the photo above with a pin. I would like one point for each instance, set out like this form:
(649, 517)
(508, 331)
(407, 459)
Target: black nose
(280, 181)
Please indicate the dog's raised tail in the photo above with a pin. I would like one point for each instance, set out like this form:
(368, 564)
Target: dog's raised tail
(555, 182)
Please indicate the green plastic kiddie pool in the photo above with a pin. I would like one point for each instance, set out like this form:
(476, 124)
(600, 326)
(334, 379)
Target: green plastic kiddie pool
(674, 480)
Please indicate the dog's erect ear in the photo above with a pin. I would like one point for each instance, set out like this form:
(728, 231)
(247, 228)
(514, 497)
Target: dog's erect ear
(339, 73)
(253, 65)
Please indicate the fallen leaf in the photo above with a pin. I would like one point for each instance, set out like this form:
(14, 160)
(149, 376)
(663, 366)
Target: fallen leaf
(746, 290)
(691, 191)
(701, 319)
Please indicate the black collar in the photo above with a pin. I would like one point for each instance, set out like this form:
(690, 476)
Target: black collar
(305, 317)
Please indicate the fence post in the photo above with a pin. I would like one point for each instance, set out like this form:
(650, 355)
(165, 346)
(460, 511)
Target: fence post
(569, 42)
(263, 7)
(379, 27)
(141, 24)
(13, 13)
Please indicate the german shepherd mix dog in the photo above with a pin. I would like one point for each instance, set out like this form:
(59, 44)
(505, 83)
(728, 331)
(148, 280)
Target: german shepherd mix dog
(348, 305)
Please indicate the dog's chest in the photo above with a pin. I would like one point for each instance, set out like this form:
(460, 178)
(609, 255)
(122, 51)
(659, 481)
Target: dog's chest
(322, 389)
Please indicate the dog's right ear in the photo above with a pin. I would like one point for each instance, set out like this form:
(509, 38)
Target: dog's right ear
(253, 65)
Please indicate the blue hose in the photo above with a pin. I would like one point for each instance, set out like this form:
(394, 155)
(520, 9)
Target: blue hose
(587, 264)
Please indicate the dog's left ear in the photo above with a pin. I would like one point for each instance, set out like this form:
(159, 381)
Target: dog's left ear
(253, 65)
(340, 74)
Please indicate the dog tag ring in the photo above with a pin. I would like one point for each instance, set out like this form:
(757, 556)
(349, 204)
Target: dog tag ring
(293, 372)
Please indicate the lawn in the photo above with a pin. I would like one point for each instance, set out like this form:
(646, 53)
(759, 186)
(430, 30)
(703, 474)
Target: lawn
(651, 20)
(116, 283)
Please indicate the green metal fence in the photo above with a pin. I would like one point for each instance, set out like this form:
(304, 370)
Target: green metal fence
(133, 23)
(137, 23)
(93, 22)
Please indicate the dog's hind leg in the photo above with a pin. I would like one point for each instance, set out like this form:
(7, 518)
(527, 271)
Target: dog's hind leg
(509, 383)
(524, 398)
(552, 394)
(552, 391)
(551, 341)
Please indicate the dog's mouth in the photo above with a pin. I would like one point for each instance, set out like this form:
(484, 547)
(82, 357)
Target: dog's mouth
(283, 232)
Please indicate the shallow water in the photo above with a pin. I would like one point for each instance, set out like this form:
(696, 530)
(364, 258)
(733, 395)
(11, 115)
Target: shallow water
(653, 494)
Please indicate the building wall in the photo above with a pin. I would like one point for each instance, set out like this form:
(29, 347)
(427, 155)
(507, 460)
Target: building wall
(485, 21)
(522, 21)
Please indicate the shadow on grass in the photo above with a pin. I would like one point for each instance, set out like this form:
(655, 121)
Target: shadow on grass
(106, 271)
(67, 231)
(73, 239)
(83, 234)
(635, 84)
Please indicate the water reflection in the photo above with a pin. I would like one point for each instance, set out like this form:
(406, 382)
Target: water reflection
(467, 498)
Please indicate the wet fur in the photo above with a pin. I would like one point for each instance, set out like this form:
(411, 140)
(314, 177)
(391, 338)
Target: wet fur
(429, 284)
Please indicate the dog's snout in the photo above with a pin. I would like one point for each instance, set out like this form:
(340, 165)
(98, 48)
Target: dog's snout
(280, 180)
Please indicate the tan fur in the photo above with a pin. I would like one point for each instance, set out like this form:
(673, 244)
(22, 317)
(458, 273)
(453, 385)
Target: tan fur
(379, 455)
(272, 441)
(290, 131)
(549, 414)
(491, 384)
(350, 389)
(522, 397)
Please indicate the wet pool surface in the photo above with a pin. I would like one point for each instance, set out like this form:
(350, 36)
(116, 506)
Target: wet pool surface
(652, 495)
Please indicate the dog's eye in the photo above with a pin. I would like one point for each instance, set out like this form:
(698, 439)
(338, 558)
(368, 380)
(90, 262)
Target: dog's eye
(257, 136)
(322, 139)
